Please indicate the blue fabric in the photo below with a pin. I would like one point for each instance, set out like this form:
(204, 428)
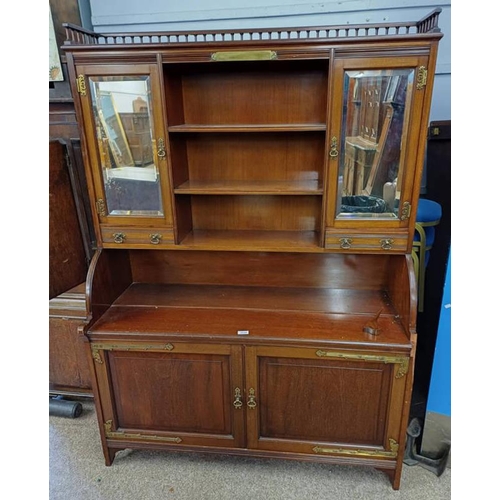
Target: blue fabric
(428, 211)
(430, 233)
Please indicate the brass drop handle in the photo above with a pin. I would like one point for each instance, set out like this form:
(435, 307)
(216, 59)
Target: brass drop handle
(119, 237)
(155, 238)
(345, 243)
(160, 150)
(386, 244)
(333, 148)
(237, 403)
(251, 403)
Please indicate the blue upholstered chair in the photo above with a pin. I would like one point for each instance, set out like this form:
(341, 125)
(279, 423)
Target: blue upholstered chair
(428, 216)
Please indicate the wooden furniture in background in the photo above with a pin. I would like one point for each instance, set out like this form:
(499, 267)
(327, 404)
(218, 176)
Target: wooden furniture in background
(71, 234)
(68, 267)
(235, 303)
(69, 371)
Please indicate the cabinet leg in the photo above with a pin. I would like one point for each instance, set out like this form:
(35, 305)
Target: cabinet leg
(393, 475)
(109, 455)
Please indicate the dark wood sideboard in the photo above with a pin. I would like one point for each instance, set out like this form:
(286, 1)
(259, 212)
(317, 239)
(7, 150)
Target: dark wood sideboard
(253, 290)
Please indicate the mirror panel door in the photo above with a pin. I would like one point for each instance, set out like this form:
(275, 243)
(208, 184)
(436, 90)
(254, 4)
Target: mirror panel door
(123, 118)
(375, 119)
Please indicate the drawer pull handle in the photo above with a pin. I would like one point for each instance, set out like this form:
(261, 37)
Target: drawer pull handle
(237, 403)
(386, 244)
(345, 243)
(333, 148)
(119, 237)
(161, 149)
(251, 403)
(155, 238)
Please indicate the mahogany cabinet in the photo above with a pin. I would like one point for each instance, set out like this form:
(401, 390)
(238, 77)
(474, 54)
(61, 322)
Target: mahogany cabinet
(253, 290)
(288, 398)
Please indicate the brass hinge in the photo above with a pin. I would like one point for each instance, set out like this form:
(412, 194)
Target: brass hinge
(406, 210)
(402, 361)
(421, 77)
(101, 207)
(81, 85)
(393, 453)
(133, 347)
(333, 153)
(110, 434)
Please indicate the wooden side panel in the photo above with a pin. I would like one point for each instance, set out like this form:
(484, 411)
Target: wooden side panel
(109, 275)
(402, 290)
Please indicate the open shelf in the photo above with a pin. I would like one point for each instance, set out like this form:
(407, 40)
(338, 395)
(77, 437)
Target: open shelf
(270, 241)
(246, 96)
(230, 187)
(266, 312)
(242, 163)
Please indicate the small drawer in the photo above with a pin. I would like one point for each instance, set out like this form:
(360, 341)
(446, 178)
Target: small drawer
(136, 237)
(366, 242)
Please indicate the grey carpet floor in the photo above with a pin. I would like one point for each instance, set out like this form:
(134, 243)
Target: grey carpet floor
(77, 472)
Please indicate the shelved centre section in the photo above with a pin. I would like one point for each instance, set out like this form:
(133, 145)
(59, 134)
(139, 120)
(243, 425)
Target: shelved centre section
(247, 152)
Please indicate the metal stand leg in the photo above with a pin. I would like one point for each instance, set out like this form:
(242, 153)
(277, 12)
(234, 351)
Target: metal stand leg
(436, 465)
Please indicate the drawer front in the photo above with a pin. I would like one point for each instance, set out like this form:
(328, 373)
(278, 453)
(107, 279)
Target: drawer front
(349, 242)
(136, 237)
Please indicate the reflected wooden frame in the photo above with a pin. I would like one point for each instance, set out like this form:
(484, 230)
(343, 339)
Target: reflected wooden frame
(122, 158)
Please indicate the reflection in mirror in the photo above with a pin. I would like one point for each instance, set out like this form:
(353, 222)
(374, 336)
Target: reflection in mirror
(372, 154)
(122, 112)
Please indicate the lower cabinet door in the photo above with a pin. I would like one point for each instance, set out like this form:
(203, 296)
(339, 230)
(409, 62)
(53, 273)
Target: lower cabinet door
(170, 393)
(325, 402)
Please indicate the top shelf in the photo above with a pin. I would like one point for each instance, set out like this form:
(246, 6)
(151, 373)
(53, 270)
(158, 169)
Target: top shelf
(248, 127)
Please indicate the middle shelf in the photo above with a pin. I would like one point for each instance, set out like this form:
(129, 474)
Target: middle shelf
(271, 162)
(249, 127)
(279, 187)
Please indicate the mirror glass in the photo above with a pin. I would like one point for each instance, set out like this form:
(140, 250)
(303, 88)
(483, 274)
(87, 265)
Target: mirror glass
(371, 151)
(122, 113)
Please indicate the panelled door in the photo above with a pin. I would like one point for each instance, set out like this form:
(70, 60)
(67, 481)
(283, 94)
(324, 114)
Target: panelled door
(125, 133)
(380, 106)
(315, 401)
(171, 393)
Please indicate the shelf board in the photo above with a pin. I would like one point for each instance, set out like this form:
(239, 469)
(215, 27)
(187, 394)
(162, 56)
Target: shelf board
(249, 127)
(241, 240)
(320, 300)
(281, 313)
(309, 187)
